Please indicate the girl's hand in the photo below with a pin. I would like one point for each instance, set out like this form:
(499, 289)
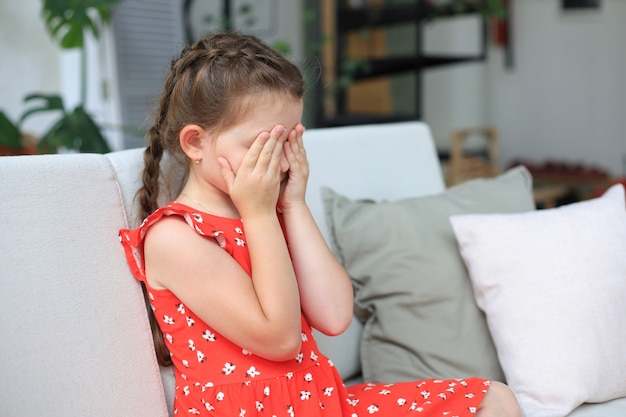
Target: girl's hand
(293, 189)
(256, 186)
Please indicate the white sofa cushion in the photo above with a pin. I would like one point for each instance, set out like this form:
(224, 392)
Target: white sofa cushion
(553, 286)
(76, 336)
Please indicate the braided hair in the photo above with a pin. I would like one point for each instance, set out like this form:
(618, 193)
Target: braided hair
(207, 86)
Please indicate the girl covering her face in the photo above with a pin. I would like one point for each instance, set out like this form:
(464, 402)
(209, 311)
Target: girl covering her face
(236, 271)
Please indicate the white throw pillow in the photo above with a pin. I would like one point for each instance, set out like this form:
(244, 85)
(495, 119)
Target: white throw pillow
(552, 284)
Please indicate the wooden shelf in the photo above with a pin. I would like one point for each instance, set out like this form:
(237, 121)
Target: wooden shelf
(372, 65)
(349, 18)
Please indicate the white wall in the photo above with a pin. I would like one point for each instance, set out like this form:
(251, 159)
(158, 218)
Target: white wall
(564, 98)
(30, 61)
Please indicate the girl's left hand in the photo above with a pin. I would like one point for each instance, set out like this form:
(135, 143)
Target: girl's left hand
(293, 189)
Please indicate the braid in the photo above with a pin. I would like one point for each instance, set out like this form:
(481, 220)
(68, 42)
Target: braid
(148, 201)
(149, 193)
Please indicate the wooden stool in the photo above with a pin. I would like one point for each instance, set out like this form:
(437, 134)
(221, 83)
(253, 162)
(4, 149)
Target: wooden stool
(462, 167)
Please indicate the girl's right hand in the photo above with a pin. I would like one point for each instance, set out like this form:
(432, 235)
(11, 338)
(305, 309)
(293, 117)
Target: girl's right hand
(255, 187)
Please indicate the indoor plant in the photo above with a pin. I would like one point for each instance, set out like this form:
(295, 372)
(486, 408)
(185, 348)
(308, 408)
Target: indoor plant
(67, 22)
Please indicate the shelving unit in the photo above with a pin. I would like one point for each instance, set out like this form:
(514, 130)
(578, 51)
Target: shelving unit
(342, 21)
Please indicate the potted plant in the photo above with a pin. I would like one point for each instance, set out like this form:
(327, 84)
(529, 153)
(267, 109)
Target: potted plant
(67, 21)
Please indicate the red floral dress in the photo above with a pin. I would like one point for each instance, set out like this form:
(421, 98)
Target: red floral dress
(215, 377)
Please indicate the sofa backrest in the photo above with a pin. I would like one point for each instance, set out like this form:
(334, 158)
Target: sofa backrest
(77, 340)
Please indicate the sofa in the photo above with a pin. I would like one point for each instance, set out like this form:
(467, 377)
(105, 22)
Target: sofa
(77, 340)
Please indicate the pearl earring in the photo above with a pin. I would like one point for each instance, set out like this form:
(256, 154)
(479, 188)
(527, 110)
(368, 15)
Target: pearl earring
(197, 161)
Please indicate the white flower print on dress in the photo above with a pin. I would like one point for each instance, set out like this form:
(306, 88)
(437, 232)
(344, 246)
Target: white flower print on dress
(220, 396)
(384, 392)
(194, 411)
(305, 395)
(313, 356)
(180, 308)
(168, 320)
(198, 229)
(266, 391)
(372, 409)
(252, 372)
(238, 230)
(304, 337)
(192, 345)
(259, 406)
(228, 368)
(169, 337)
(200, 356)
(190, 322)
(185, 363)
(401, 401)
(425, 394)
(308, 377)
(239, 242)
(242, 412)
(186, 390)
(246, 352)
(328, 392)
(299, 357)
(219, 237)
(208, 336)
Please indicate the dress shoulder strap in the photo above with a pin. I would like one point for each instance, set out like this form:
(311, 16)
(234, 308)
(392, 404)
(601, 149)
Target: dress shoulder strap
(204, 224)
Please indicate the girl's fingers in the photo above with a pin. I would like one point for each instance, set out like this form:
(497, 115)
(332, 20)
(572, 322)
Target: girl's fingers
(281, 135)
(227, 173)
(256, 149)
(265, 151)
(295, 143)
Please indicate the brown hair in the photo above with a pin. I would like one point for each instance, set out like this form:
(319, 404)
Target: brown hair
(207, 85)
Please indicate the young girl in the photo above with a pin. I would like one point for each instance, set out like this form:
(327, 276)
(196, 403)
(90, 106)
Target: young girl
(236, 270)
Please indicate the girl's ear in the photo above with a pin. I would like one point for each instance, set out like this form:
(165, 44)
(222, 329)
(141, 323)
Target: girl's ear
(191, 141)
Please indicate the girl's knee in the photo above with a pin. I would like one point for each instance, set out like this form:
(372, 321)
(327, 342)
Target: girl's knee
(499, 402)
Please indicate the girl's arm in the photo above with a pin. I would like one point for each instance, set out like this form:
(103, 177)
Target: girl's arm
(326, 292)
(261, 314)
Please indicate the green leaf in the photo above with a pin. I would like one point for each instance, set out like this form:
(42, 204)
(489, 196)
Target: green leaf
(283, 47)
(77, 131)
(73, 38)
(10, 135)
(52, 102)
(67, 20)
(91, 138)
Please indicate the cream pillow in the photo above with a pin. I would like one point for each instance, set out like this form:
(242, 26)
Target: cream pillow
(553, 286)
